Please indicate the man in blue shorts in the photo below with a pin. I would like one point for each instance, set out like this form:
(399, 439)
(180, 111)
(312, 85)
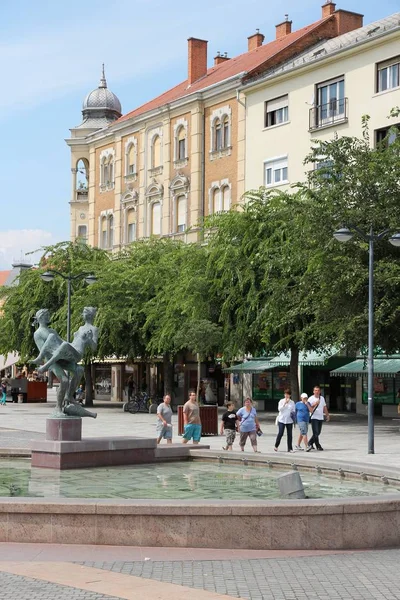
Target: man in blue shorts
(191, 420)
(303, 419)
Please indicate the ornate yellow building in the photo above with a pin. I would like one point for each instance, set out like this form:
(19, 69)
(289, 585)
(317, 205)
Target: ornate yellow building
(161, 168)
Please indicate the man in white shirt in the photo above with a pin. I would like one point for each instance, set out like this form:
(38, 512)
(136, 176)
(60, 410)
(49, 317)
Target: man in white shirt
(318, 408)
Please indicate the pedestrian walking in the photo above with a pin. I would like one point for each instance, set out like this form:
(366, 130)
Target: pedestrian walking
(303, 419)
(229, 425)
(286, 418)
(191, 420)
(248, 424)
(318, 410)
(164, 420)
(3, 390)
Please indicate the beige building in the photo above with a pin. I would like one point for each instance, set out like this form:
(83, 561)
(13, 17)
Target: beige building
(161, 168)
(324, 91)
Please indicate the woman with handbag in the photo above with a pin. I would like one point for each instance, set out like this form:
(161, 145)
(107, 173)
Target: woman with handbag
(286, 419)
(249, 427)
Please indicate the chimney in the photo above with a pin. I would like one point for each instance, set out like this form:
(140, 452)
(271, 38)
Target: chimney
(197, 59)
(255, 41)
(283, 29)
(328, 9)
(220, 58)
(347, 21)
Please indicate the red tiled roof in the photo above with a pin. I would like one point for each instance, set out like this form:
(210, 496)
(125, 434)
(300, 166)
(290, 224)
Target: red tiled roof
(244, 63)
(4, 275)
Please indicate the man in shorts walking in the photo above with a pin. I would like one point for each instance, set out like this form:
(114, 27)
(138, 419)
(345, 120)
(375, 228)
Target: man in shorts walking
(191, 420)
(303, 419)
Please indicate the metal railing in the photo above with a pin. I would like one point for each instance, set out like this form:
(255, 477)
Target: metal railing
(324, 115)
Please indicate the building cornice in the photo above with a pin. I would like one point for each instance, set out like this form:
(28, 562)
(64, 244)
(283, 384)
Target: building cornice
(278, 74)
(136, 123)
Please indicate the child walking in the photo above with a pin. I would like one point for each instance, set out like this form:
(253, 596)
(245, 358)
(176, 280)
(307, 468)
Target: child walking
(303, 419)
(228, 425)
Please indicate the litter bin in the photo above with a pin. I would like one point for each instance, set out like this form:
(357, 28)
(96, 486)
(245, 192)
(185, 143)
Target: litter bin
(208, 417)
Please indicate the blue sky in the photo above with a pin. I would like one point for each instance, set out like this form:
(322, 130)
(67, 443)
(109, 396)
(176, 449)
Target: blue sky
(50, 57)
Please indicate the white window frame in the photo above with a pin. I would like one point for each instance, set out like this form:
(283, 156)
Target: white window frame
(276, 109)
(391, 69)
(336, 104)
(218, 186)
(218, 117)
(181, 124)
(82, 237)
(131, 142)
(107, 169)
(277, 165)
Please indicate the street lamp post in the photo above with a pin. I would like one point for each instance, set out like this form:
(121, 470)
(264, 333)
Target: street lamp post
(49, 276)
(344, 235)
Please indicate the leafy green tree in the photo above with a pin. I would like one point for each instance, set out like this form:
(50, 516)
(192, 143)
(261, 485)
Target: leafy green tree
(258, 263)
(352, 183)
(23, 299)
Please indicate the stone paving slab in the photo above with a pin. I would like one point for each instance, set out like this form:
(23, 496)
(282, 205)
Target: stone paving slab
(17, 587)
(351, 576)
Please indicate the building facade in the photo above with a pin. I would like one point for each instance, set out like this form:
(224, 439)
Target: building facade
(325, 91)
(161, 168)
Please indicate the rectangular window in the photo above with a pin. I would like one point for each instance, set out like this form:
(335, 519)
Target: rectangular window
(331, 104)
(131, 232)
(276, 111)
(181, 214)
(276, 171)
(387, 135)
(182, 149)
(131, 169)
(388, 74)
(155, 218)
(82, 232)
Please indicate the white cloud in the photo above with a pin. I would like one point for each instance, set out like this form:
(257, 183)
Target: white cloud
(16, 244)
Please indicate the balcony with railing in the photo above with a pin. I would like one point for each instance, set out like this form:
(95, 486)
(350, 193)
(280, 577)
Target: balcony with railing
(326, 115)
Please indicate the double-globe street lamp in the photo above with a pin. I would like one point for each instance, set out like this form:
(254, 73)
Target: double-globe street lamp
(49, 276)
(344, 235)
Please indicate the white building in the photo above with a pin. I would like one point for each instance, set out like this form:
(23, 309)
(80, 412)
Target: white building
(323, 91)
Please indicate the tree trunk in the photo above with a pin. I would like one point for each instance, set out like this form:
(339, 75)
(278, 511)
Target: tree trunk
(88, 384)
(168, 375)
(294, 373)
(198, 376)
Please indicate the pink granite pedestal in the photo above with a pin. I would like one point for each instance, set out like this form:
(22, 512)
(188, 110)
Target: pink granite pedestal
(93, 452)
(67, 429)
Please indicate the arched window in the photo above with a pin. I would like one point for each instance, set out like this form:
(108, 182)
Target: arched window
(131, 167)
(110, 231)
(225, 132)
(156, 152)
(216, 205)
(82, 233)
(181, 144)
(226, 198)
(110, 179)
(217, 135)
(156, 218)
(104, 171)
(103, 233)
(131, 225)
(181, 213)
(82, 175)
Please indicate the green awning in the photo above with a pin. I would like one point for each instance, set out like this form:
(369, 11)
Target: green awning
(250, 366)
(305, 358)
(385, 367)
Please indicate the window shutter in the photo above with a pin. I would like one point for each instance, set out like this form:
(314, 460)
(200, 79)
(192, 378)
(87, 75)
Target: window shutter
(155, 218)
(181, 212)
(277, 103)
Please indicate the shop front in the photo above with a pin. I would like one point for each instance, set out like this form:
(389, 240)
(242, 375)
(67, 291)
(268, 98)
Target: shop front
(353, 378)
(268, 377)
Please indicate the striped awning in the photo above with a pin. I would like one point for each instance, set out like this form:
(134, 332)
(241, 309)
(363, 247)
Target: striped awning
(384, 367)
(250, 366)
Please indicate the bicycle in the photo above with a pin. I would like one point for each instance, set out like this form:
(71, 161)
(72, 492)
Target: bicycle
(139, 402)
